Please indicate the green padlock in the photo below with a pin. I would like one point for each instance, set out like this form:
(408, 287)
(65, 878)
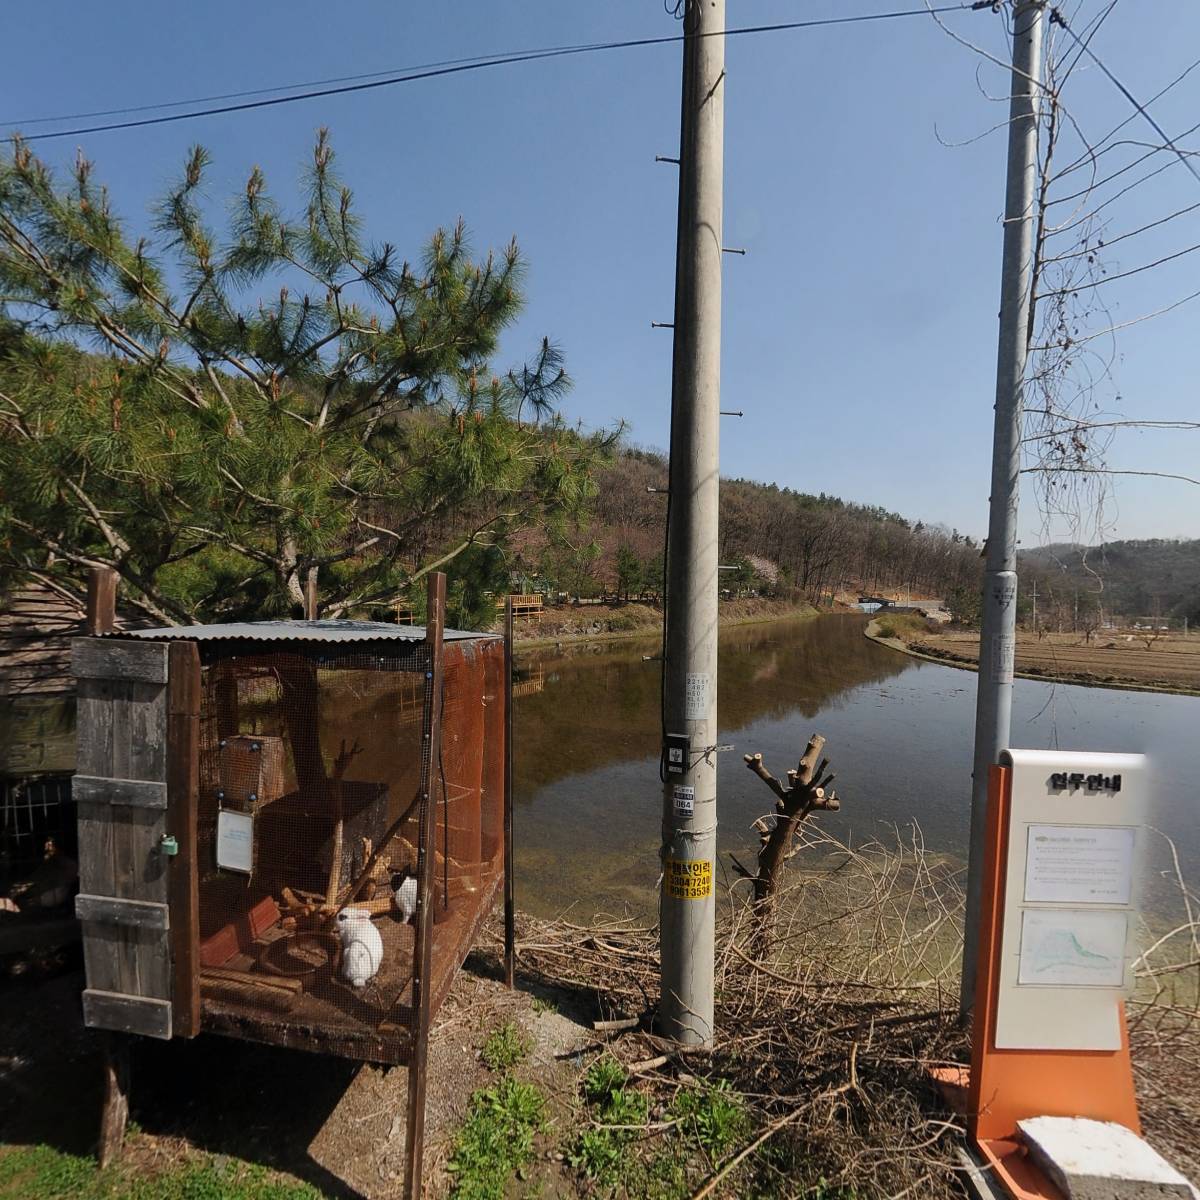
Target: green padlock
(168, 845)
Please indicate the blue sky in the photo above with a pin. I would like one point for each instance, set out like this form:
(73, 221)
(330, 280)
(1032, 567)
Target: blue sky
(859, 329)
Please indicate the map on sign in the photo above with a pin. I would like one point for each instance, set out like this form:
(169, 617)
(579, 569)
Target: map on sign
(1070, 948)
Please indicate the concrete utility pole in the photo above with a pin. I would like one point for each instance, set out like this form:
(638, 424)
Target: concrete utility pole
(997, 640)
(690, 671)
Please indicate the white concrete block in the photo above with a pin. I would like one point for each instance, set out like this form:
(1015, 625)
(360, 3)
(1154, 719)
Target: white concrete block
(1099, 1160)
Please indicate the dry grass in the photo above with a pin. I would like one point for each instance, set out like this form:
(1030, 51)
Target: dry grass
(1171, 660)
(829, 1039)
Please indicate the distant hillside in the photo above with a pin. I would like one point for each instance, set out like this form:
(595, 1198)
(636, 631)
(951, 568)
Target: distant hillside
(1157, 577)
(780, 539)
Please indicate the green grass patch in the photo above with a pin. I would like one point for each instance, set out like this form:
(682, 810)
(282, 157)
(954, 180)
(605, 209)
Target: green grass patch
(617, 1111)
(713, 1114)
(496, 1139)
(506, 1046)
(43, 1173)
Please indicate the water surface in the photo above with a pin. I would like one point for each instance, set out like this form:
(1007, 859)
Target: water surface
(899, 736)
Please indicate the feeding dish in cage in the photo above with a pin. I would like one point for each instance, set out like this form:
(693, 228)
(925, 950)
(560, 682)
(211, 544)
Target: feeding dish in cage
(300, 955)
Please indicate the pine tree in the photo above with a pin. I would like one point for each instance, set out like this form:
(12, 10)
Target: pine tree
(219, 413)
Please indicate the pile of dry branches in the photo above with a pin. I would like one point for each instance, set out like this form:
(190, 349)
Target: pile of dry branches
(827, 1035)
(829, 1032)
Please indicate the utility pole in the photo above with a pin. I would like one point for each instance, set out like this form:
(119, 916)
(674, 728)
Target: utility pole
(997, 640)
(689, 828)
(1035, 604)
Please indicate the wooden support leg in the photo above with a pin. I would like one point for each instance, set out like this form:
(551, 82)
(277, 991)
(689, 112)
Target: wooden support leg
(115, 1114)
(510, 902)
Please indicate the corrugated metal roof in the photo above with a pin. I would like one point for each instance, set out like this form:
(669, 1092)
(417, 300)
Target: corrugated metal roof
(295, 631)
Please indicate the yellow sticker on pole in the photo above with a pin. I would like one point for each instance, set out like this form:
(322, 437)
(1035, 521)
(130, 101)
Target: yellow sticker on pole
(689, 878)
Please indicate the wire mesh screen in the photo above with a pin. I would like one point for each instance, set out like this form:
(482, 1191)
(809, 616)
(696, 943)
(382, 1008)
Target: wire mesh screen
(37, 840)
(310, 820)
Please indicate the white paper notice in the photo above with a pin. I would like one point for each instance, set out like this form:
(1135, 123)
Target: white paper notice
(235, 841)
(1063, 947)
(1079, 864)
(695, 703)
(684, 800)
(1003, 656)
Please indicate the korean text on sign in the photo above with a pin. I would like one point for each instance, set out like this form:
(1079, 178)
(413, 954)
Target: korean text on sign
(689, 878)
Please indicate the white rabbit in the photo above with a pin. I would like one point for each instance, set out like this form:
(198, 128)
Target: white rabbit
(404, 893)
(362, 947)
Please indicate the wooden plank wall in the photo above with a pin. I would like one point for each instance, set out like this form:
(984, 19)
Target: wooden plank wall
(122, 738)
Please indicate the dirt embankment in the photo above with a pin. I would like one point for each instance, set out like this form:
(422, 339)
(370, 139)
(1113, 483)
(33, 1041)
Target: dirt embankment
(596, 622)
(1149, 662)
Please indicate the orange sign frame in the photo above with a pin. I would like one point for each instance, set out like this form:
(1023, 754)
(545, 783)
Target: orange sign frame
(1007, 1086)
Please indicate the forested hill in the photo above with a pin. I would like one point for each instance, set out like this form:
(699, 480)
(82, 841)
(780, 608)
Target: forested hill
(816, 544)
(1157, 577)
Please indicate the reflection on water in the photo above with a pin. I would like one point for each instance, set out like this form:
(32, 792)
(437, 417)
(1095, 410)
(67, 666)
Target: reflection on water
(899, 737)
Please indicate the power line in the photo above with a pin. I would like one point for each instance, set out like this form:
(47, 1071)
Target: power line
(267, 91)
(1129, 166)
(1105, 243)
(1095, 283)
(456, 68)
(1057, 18)
(1094, 151)
(1090, 32)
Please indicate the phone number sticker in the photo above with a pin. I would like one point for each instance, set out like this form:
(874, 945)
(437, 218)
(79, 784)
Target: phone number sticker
(689, 878)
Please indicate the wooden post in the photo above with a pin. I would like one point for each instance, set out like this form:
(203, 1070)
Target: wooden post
(435, 625)
(101, 601)
(510, 910)
(183, 798)
(114, 1116)
(310, 595)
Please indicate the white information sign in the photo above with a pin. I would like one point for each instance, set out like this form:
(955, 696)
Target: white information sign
(1079, 864)
(235, 841)
(1068, 887)
(695, 705)
(684, 799)
(1063, 947)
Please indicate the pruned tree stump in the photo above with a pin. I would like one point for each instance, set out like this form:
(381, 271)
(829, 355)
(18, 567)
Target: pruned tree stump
(807, 791)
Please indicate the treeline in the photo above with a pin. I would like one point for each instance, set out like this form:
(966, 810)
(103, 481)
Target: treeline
(779, 540)
(1149, 579)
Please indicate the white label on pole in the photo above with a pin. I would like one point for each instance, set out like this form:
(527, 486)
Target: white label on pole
(235, 841)
(684, 799)
(1072, 948)
(696, 696)
(1003, 652)
(1079, 864)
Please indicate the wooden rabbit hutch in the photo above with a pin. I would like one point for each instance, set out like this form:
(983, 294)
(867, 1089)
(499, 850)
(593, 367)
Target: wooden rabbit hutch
(290, 831)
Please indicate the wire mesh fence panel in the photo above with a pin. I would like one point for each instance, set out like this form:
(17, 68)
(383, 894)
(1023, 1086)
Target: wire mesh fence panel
(309, 836)
(470, 794)
(37, 825)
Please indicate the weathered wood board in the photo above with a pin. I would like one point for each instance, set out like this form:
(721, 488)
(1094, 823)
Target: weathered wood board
(124, 875)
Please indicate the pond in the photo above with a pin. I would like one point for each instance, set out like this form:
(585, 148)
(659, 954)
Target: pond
(899, 734)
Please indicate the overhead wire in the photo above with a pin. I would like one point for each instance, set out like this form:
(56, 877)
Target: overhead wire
(264, 91)
(1095, 283)
(1057, 18)
(1105, 243)
(1095, 148)
(500, 60)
